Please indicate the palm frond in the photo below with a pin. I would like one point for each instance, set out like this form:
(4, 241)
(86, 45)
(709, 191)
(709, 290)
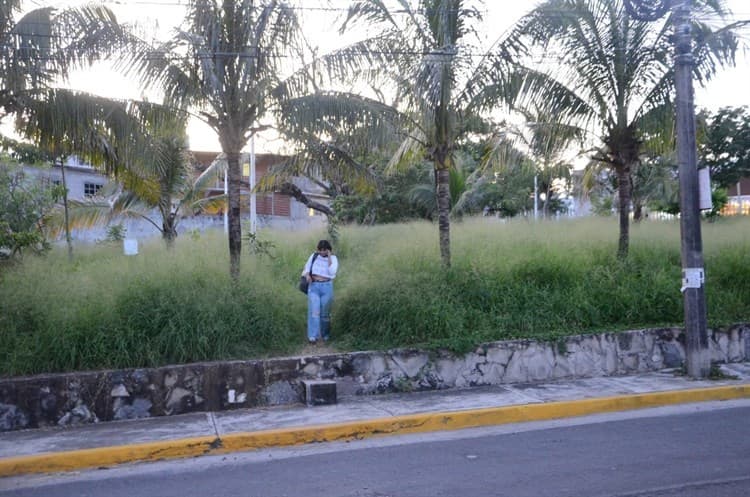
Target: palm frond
(226, 60)
(502, 153)
(212, 203)
(715, 48)
(46, 43)
(64, 123)
(658, 130)
(371, 13)
(410, 152)
(84, 214)
(360, 122)
(423, 197)
(374, 61)
(324, 160)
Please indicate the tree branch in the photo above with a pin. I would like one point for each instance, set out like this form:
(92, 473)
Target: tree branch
(294, 191)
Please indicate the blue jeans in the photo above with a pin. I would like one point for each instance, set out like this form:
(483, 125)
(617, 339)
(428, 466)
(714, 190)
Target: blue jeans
(319, 299)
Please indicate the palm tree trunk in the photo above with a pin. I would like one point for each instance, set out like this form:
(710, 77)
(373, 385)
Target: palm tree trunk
(623, 188)
(637, 211)
(169, 230)
(235, 228)
(68, 238)
(442, 180)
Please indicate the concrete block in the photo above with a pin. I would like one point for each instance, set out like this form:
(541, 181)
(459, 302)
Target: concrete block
(319, 392)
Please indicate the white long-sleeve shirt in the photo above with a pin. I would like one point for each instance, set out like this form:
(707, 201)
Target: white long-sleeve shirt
(325, 267)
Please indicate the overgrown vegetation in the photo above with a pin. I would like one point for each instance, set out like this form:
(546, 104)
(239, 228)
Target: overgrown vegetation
(25, 203)
(508, 280)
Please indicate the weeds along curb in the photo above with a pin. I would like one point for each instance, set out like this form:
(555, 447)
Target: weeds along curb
(397, 425)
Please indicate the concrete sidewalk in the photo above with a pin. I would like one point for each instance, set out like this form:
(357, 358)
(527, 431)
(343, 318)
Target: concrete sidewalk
(107, 444)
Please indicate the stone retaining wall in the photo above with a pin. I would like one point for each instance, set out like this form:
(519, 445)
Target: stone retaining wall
(89, 397)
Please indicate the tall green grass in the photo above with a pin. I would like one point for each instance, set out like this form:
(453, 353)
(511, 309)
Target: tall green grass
(508, 280)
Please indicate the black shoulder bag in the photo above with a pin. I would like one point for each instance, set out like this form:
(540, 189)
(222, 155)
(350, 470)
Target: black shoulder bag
(303, 283)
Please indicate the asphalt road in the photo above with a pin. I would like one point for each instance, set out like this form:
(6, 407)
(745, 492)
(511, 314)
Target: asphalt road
(685, 451)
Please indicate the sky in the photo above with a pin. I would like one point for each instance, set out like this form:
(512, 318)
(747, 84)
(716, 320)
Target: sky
(729, 88)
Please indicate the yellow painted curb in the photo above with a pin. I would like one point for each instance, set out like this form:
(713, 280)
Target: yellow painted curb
(412, 423)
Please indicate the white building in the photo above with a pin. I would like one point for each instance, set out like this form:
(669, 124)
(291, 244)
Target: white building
(82, 180)
(739, 198)
(274, 210)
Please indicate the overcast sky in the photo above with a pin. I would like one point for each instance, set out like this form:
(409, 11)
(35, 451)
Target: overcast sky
(730, 88)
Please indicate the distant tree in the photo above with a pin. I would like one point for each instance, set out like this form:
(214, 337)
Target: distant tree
(390, 203)
(544, 145)
(506, 193)
(655, 185)
(724, 144)
(503, 182)
(24, 153)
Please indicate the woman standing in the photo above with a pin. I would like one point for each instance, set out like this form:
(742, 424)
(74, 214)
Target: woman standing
(320, 271)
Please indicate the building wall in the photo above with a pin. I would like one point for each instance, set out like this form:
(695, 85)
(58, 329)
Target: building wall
(739, 199)
(272, 206)
(742, 188)
(81, 179)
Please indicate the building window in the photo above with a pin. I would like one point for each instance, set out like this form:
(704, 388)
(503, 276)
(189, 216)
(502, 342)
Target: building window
(91, 189)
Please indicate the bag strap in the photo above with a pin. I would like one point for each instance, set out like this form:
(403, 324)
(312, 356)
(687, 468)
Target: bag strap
(315, 256)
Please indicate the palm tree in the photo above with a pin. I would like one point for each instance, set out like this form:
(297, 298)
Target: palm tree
(160, 178)
(426, 52)
(423, 195)
(608, 74)
(106, 132)
(39, 48)
(225, 62)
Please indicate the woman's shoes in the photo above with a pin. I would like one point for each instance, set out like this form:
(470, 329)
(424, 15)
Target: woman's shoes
(312, 341)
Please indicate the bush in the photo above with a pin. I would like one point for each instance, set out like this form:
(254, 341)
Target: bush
(25, 202)
(106, 311)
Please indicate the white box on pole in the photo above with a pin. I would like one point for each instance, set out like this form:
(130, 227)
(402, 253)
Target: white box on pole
(704, 187)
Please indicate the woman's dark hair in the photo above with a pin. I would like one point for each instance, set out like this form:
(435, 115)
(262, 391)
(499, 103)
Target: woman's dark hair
(324, 245)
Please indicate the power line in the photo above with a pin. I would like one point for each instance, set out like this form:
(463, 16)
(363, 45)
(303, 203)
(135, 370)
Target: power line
(31, 34)
(184, 5)
(178, 3)
(156, 55)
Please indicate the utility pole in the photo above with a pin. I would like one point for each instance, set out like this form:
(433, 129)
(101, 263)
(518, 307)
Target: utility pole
(693, 273)
(253, 201)
(697, 355)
